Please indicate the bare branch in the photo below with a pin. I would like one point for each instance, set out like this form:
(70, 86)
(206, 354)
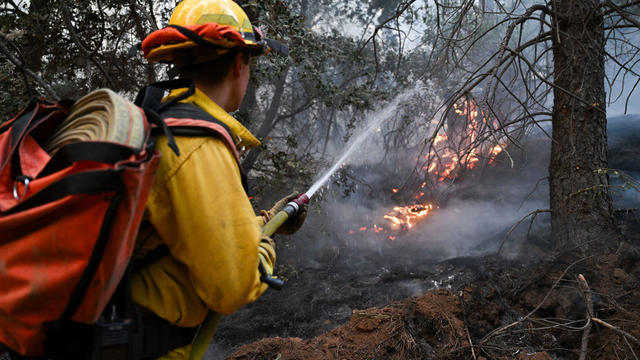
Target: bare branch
(148, 14)
(555, 284)
(534, 213)
(617, 330)
(399, 11)
(586, 293)
(66, 17)
(613, 8)
(20, 65)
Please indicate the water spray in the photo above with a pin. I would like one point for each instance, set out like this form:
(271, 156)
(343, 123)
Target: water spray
(292, 208)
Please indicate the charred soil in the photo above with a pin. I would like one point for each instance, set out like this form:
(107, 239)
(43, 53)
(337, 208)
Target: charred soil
(487, 307)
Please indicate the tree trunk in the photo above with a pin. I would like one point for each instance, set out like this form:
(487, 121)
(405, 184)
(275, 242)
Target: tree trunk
(267, 123)
(582, 218)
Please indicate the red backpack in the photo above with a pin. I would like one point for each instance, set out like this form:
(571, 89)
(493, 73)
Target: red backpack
(69, 222)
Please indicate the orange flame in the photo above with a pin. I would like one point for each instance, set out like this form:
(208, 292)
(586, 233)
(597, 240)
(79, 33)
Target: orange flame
(453, 151)
(494, 152)
(407, 216)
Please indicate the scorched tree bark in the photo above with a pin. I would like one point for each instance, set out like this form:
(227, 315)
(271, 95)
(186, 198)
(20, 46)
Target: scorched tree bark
(582, 215)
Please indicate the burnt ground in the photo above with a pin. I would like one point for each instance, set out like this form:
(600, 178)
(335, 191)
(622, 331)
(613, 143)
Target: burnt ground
(435, 310)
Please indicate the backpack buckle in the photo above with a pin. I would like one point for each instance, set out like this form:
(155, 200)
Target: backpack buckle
(26, 180)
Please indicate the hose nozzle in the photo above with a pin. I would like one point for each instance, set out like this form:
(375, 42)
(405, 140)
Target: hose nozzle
(294, 206)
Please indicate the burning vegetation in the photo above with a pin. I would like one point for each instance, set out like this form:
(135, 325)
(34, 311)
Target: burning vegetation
(464, 144)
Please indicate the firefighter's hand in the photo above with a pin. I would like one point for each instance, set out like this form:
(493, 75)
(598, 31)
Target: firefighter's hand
(293, 224)
(267, 253)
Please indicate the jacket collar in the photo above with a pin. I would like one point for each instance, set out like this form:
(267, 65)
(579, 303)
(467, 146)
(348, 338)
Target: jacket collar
(243, 138)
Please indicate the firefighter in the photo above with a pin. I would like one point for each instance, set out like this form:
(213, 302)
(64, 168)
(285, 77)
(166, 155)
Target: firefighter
(198, 208)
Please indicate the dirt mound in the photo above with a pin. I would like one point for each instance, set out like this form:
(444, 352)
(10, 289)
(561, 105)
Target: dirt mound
(430, 326)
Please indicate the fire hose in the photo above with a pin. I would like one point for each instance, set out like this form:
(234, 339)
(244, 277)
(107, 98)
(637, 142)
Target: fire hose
(208, 327)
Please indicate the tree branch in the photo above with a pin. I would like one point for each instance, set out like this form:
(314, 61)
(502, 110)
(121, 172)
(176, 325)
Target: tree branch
(534, 213)
(20, 65)
(586, 293)
(66, 17)
(148, 15)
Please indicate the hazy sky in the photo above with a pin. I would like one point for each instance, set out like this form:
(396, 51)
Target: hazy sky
(617, 108)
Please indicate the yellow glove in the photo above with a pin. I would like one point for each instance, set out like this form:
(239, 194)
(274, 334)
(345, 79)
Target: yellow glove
(267, 253)
(293, 224)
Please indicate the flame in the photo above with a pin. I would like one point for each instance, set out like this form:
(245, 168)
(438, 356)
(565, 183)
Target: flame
(395, 191)
(440, 138)
(494, 152)
(452, 151)
(407, 216)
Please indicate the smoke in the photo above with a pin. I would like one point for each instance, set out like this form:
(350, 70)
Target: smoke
(462, 227)
(471, 219)
(623, 133)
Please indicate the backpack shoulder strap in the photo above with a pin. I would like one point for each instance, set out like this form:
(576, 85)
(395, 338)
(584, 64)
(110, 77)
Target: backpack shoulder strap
(190, 120)
(184, 119)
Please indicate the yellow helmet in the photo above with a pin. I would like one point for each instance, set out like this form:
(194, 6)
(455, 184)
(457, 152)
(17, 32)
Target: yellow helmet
(202, 30)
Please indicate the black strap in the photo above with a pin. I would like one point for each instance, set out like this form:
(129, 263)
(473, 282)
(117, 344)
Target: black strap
(160, 336)
(18, 127)
(60, 338)
(255, 37)
(156, 119)
(29, 119)
(150, 97)
(22, 123)
(89, 182)
(191, 111)
(199, 40)
(108, 153)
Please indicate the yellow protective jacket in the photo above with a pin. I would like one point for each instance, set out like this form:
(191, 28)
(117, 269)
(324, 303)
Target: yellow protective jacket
(199, 209)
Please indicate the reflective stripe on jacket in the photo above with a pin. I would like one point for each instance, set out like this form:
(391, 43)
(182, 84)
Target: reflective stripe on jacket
(200, 210)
